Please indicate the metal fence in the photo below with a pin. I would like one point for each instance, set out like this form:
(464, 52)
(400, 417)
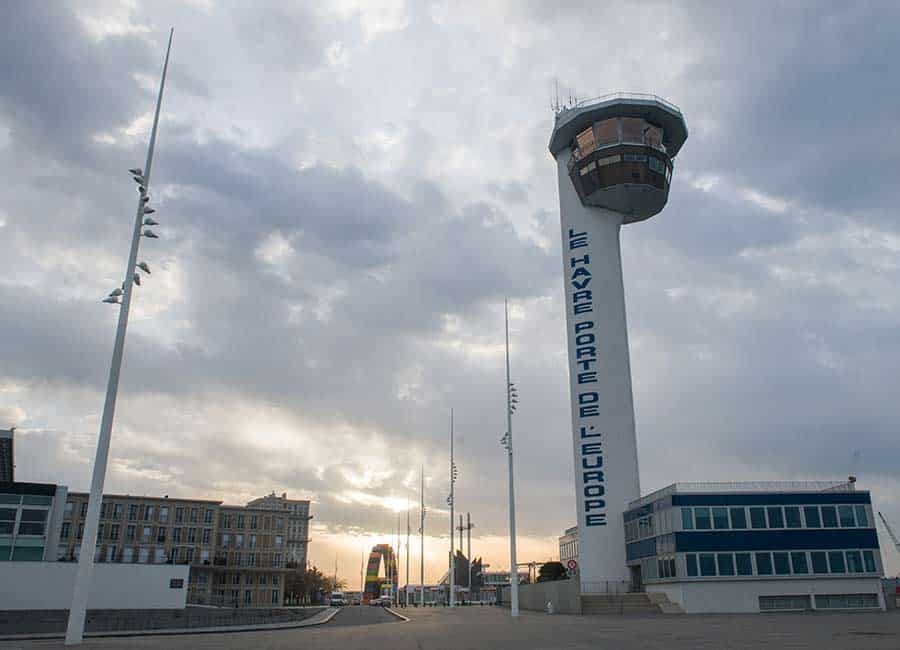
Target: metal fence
(612, 587)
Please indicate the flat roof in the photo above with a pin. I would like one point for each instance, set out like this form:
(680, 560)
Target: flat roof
(147, 498)
(746, 487)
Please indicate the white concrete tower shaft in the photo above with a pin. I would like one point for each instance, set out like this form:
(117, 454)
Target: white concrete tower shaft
(614, 158)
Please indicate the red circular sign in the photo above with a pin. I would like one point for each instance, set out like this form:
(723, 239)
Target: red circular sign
(572, 564)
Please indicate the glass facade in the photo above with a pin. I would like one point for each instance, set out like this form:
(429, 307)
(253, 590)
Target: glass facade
(25, 513)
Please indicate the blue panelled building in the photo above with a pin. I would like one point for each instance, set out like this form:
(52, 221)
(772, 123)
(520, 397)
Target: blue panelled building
(751, 547)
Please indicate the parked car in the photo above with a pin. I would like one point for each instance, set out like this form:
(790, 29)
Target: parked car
(379, 602)
(337, 599)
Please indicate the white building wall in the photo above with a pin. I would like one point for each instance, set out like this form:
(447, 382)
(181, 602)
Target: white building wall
(590, 245)
(742, 596)
(49, 585)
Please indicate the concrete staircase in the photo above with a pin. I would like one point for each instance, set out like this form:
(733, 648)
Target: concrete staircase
(638, 603)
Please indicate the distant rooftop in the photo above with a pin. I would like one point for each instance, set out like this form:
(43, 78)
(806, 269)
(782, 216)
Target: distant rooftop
(744, 487)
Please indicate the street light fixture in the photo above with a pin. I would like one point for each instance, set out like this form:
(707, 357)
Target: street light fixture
(78, 609)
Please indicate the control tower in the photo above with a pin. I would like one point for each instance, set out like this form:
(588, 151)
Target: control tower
(614, 156)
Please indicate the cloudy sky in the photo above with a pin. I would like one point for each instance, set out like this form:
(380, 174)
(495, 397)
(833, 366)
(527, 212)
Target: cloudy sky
(347, 191)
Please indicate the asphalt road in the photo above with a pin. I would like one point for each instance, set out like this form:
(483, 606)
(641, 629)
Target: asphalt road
(492, 628)
(362, 615)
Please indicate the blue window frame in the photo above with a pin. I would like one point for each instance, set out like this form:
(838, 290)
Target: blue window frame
(726, 564)
(691, 561)
(829, 517)
(702, 518)
(782, 566)
(738, 518)
(757, 517)
(764, 564)
(792, 517)
(854, 562)
(819, 564)
(812, 516)
(687, 519)
(845, 514)
(720, 518)
(798, 562)
(744, 564)
(836, 562)
(776, 517)
(869, 561)
(707, 564)
(862, 517)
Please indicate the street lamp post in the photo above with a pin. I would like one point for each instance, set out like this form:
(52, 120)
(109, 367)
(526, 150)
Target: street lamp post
(512, 399)
(78, 610)
(422, 537)
(453, 474)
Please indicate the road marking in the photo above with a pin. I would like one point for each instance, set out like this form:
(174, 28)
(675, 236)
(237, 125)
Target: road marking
(398, 615)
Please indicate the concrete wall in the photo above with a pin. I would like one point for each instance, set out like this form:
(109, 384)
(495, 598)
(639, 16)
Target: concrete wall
(49, 585)
(564, 594)
(723, 597)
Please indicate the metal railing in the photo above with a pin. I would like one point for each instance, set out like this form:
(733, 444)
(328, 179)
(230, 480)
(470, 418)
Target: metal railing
(610, 587)
(619, 96)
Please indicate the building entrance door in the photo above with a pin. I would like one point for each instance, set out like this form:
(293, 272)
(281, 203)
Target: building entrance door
(637, 580)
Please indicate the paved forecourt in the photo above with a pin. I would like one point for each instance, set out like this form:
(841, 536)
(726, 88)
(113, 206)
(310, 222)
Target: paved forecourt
(476, 627)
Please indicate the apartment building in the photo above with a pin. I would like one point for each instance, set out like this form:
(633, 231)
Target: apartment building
(236, 554)
(296, 530)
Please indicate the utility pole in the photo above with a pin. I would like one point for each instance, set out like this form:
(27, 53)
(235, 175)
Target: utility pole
(469, 550)
(83, 578)
(422, 537)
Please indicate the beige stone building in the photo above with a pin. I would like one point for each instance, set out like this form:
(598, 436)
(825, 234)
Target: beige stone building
(237, 554)
(296, 531)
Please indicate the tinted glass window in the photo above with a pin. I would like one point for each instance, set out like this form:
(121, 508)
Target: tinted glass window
(653, 136)
(869, 561)
(607, 131)
(862, 517)
(757, 517)
(854, 562)
(792, 517)
(738, 518)
(836, 562)
(701, 516)
(829, 517)
(798, 562)
(633, 129)
(586, 142)
(744, 564)
(819, 564)
(707, 564)
(782, 567)
(764, 564)
(726, 564)
(691, 560)
(812, 516)
(687, 519)
(846, 516)
(720, 518)
(776, 518)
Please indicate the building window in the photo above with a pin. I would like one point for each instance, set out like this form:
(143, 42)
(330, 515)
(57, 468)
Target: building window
(226, 539)
(586, 141)
(757, 517)
(146, 534)
(239, 541)
(252, 541)
(103, 507)
(192, 536)
(66, 530)
(829, 517)
(707, 564)
(278, 541)
(854, 562)
(236, 579)
(783, 603)
(819, 564)
(738, 518)
(862, 517)
(253, 522)
(836, 562)
(798, 562)
(31, 522)
(274, 580)
(189, 554)
(226, 521)
(847, 601)
(160, 535)
(720, 518)
(179, 515)
(691, 561)
(114, 532)
(164, 514)
(118, 511)
(240, 521)
(726, 564)
(869, 561)
(84, 509)
(812, 516)
(632, 129)
(274, 596)
(192, 516)
(207, 534)
(782, 566)
(99, 532)
(277, 560)
(208, 517)
(776, 517)
(132, 512)
(149, 511)
(763, 564)
(792, 517)
(701, 515)
(144, 556)
(845, 513)
(176, 535)
(744, 564)
(128, 555)
(70, 508)
(204, 556)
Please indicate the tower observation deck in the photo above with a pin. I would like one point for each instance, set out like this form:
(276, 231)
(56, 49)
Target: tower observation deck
(615, 161)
